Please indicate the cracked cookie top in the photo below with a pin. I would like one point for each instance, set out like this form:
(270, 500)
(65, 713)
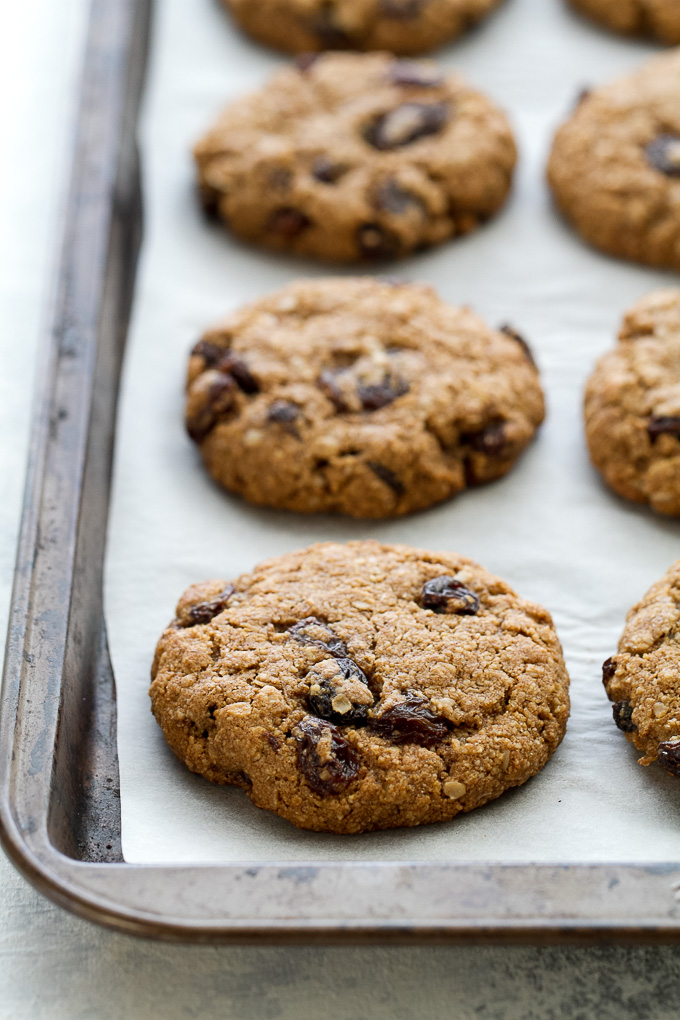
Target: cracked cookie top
(351, 157)
(362, 686)
(361, 397)
(632, 405)
(400, 26)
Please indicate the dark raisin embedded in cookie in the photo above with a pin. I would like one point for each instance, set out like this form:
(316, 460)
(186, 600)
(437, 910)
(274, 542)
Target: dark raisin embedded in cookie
(663, 425)
(327, 171)
(623, 716)
(392, 198)
(447, 595)
(376, 242)
(608, 670)
(288, 223)
(406, 124)
(204, 612)
(327, 760)
(311, 631)
(663, 153)
(518, 338)
(491, 440)
(373, 396)
(387, 476)
(411, 721)
(339, 692)
(237, 368)
(212, 396)
(668, 756)
(285, 414)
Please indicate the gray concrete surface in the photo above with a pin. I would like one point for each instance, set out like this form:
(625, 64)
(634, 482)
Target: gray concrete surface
(56, 967)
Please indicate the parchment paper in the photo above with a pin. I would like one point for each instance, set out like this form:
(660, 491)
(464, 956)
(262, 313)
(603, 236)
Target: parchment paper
(550, 528)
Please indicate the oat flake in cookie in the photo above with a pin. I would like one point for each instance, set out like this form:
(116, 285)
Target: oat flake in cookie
(362, 686)
(351, 157)
(400, 26)
(615, 165)
(643, 678)
(632, 406)
(657, 19)
(359, 397)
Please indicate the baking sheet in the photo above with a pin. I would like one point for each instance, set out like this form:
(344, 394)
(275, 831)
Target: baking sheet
(550, 528)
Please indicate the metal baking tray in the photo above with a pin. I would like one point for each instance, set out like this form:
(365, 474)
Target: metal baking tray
(60, 818)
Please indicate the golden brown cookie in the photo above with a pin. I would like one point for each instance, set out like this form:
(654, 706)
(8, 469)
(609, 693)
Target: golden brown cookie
(349, 157)
(632, 405)
(656, 19)
(360, 397)
(643, 678)
(400, 26)
(362, 686)
(615, 165)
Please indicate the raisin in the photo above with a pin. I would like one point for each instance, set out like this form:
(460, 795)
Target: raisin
(288, 222)
(411, 721)
(663, 153)
(608, 669)
(210, 202)
(668, 755)
(285, 414)
(623, 716)
(663, 425)
(331, 696)
(326, 171)
(409, 72)
(211, 397)
(376, 395)
(375, 242)
(402, 9)
(406, 124)
(518, 338)
(312, 631)
(387, 476)
(273, 741)
(326, 758)
(447, 595)
(240, 373)
(392, 198)
(325, 26)
(210, 353)
(204, 612)
(491, 440)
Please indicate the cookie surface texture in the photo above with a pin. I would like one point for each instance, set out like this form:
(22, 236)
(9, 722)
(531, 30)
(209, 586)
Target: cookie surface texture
(356, 157)
(632, 406)
(359, 397)
(399, 26)
(643, 678)
(655, 19)
(362, 686)
(615, 165)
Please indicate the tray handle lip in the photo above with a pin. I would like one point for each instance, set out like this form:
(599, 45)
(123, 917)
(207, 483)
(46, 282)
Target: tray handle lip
(60, 879)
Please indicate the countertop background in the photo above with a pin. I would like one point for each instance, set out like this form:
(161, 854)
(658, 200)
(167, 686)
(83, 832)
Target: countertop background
(55, 966)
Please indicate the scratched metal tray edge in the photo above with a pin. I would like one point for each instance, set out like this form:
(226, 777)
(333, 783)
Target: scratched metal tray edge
(59, 795)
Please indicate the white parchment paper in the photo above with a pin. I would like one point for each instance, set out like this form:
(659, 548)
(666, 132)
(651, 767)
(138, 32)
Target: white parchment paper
(550, 528)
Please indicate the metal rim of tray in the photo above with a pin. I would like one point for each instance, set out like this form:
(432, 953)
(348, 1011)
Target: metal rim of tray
(59, 796)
